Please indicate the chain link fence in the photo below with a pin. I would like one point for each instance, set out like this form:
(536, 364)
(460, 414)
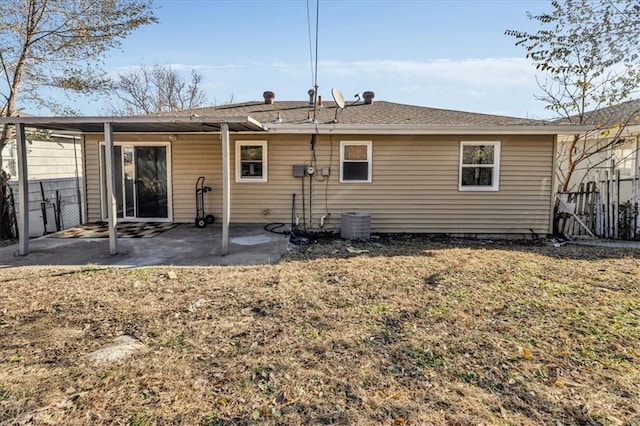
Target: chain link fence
(60, 206)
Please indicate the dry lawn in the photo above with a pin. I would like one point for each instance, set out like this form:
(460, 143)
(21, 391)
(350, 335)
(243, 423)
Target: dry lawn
(413, 332)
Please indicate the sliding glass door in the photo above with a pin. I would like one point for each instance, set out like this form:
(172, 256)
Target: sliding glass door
(142, 182)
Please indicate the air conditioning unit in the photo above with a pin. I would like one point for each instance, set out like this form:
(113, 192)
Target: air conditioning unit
(355, 226)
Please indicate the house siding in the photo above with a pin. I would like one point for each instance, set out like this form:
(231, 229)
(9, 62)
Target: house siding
(414, 184)
(598, 165)
(92, 178)
(47, 160)
(415, 187)
(55, 168)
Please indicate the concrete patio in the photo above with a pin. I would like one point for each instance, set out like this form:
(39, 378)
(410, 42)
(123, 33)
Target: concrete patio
(184, 245)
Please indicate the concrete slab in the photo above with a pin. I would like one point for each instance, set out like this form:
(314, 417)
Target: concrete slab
(184, 245)
(606, 243)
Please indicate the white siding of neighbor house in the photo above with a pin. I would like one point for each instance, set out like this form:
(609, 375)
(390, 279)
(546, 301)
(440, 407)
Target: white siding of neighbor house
(597, 167)
(46, 159)
(414, 184)
(55, 167)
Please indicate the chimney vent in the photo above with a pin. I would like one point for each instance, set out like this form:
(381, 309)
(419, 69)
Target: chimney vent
(269, 97)
(320, 102)
(368, 97)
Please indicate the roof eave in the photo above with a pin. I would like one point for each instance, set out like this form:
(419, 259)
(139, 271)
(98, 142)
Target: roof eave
(78, 122)
(352, 129)
(249, 124)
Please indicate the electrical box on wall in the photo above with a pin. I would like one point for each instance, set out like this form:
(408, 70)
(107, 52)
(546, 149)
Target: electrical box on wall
(298, 170)
(325, 171)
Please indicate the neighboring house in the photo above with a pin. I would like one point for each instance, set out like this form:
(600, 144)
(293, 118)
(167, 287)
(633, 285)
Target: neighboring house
(412, 169)
(616, 145)
(55, 167)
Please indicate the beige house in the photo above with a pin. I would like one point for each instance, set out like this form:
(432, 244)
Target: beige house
(412, 169)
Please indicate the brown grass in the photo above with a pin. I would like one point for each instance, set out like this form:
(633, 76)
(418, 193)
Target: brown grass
(412, 332)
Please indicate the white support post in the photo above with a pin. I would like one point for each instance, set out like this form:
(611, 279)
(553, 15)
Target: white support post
(226, 188)
(111, 185)
(23, 192)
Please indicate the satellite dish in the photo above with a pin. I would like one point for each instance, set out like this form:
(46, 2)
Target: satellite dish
(337, 96)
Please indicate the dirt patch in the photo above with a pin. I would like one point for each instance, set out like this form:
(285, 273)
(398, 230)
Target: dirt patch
(393, 331)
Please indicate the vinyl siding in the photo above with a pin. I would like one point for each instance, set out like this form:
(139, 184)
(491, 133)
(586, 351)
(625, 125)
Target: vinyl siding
(414, 186)
(191, 156)
(56, 159)
(92, 178)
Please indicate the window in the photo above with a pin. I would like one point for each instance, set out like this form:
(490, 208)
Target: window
(625, 158)
(479, 166)
(355, 161)
(251, 161)
(9, 158)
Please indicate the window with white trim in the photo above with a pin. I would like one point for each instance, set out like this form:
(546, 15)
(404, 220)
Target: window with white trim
(479, 166)
(355, 161)
(251, 161)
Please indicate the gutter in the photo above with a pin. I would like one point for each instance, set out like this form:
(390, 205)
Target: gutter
(77, 122)
(395, 129)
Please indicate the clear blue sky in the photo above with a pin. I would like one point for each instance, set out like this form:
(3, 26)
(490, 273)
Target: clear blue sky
(447, 54)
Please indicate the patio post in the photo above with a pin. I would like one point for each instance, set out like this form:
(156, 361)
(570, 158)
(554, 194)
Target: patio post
(226, 188)
(23, 192)
(111, 185)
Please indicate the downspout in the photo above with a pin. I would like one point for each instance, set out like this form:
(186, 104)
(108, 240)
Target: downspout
(85, 204)
(226, 188)
(311, 202)
(636, 175)
(636, 184)
(552, 201)
(75, 157)
(23, 192)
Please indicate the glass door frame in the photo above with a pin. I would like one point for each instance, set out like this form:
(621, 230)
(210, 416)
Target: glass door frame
(103, 190)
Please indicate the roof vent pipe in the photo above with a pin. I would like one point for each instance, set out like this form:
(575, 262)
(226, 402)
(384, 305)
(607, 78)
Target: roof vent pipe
(312, 97)
(269, 97)
(368, 97)
(320, 101)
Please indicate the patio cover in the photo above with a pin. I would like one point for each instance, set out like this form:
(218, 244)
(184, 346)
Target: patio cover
(111, 125)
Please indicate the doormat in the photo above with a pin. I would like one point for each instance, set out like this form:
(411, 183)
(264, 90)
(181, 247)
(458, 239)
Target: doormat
(125, 230)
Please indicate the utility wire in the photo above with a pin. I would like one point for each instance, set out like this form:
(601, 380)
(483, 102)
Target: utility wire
(314, 58)
(317, 38)
(310, 43)
(315, 83)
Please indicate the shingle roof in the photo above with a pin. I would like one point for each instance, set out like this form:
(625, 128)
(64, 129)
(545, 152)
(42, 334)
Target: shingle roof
(378, 113)
(616, 114)
(380, 117)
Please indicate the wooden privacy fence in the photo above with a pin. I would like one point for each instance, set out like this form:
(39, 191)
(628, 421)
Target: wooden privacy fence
(595, 210)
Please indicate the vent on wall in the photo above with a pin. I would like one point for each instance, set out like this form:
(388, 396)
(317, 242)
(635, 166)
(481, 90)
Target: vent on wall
(355, 226)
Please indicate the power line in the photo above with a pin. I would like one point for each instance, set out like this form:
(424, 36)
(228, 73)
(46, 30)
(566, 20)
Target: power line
(310, 44)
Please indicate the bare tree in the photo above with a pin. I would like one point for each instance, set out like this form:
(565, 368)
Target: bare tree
(48, 45)
(588, 52)
(150, 90)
